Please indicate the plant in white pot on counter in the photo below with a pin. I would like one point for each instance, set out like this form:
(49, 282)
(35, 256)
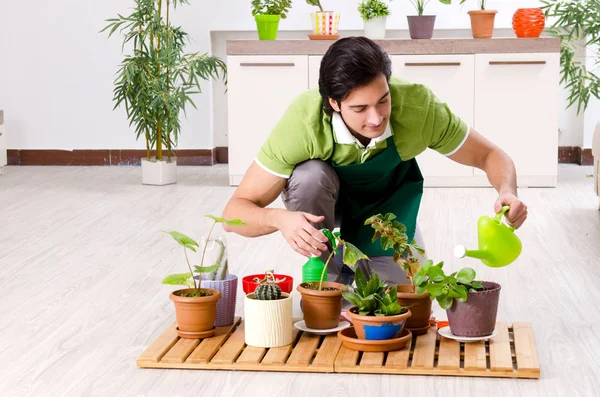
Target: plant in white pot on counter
(267, 14)
(482, 20)
(156, 82)
(421, 26)
(325, 23)
(374, 13)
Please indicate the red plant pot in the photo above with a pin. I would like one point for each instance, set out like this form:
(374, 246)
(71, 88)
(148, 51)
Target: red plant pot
(248, 285)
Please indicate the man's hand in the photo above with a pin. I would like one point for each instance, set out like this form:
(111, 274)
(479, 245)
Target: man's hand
(299, 233)
(517, 213)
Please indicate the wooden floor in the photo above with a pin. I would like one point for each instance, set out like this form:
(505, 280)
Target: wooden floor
(82, 258)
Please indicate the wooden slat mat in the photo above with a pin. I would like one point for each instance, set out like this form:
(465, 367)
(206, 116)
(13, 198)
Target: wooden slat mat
(510, 354)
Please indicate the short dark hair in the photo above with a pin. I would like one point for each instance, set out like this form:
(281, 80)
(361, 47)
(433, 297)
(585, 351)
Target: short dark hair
(349, 63)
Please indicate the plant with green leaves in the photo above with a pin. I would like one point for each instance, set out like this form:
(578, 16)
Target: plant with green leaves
(392, 235)
(373, 297)
(576, 23)
(421, 4)
(315, 3)
(271, 7)
(370, 9)
(187, 242)
(443, 288)
(156, 82)
(480, 2)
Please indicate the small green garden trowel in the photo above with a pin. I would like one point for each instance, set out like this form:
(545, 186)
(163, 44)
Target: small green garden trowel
(498, 244)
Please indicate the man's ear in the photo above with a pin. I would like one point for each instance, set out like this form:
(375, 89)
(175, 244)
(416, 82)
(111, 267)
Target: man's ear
(334, 105)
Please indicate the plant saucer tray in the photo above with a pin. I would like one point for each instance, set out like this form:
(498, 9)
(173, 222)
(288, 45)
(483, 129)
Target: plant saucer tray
(511, 353)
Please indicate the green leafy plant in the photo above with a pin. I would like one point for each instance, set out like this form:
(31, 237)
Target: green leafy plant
(421, 4)
(370, 9)
(392, 235)
(480, 2)
(315, 3)
(373, 297)
(156, 82)
(188, 243)
(271, 7)
(576, 22)
(443, 288)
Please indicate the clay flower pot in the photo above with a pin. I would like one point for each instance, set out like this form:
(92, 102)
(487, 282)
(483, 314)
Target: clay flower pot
(322, 309)
(476, 316)
(420, 307)
(378, 327)
(482, 23)
(421, 26)
(268, 323)
(195, 315)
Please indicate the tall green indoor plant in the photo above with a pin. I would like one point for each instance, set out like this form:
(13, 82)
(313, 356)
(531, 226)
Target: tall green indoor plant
(156, 80)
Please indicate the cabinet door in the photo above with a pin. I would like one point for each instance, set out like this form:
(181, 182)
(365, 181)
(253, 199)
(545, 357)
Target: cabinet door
(451, 78)
(260, 89)
(516, 107)
(314, 64)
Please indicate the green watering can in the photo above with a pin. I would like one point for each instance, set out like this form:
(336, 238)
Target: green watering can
(498, 244)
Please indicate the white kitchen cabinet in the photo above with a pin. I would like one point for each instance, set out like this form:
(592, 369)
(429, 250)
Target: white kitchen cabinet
(3, 156)
(314, 64)
(259, 91)
(516, 107)
(451, 78)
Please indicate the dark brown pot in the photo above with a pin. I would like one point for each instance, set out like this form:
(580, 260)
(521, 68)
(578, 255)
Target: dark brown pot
(196, 316)
(322, 309)
(420, 307)
(476, 316)
(378, 327)
(421, 26)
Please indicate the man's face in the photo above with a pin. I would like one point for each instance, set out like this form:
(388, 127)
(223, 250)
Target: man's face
(366, 110)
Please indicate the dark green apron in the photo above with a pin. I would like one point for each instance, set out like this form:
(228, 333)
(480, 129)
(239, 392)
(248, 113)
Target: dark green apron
(380, 185)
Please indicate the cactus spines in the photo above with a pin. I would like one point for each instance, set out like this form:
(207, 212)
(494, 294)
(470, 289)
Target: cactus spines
(267, 292)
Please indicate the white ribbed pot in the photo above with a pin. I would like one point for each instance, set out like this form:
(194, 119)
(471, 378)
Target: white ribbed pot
(268, 323)
(375, 28)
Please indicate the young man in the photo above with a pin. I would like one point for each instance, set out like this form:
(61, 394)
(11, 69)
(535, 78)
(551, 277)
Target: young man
(347, 151)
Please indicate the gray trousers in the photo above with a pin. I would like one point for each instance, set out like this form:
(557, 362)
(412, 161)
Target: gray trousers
(314, 187)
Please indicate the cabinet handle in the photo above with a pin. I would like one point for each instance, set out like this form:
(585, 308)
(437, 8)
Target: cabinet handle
(432, 64)
(517, 62)
(267, 64)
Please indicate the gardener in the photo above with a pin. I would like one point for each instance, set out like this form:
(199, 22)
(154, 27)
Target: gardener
(347, 151)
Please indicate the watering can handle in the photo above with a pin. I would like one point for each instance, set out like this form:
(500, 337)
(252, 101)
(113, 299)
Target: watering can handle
(499, 216)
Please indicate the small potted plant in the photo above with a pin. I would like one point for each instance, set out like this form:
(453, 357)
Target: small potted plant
(322, 300)
(268, 317)
(482, 20)
(249, 283)
(196, 307)
(374, 13)
(392, 235)
(471, 305)
(325, 23)
(267, 14)
(421, 26)
(377, 314)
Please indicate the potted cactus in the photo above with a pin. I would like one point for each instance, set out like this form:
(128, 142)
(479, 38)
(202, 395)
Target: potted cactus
(322, 300)
(471, 305)
(196, 307)
(377, 314)
(268, 317)
(392, 235)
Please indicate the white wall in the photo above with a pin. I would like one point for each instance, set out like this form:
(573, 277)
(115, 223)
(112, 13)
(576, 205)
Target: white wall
(56, 69)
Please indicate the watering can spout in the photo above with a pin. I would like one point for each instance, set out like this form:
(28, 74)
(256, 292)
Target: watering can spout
(460, 251)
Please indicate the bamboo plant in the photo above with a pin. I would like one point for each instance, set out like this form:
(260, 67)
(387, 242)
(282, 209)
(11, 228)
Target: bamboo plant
(156, 81)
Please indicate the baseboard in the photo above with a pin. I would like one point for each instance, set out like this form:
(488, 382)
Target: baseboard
(575, 155)
(218, 155)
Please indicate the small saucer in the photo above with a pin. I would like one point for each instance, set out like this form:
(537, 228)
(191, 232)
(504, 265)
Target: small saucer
(420, 331)
(323, 36)
(301, 325)
(349, 339)
(446, 333)
(195, 335)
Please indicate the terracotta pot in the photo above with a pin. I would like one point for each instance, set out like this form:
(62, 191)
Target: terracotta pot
(195, 316)
(528, 22)
(322, 309)
(482, 23)
(378, 327)
(420, 307)
(268, 323)
(476, 316)
(421, 26)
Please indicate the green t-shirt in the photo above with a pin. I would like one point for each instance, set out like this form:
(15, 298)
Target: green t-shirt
(418, 121)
